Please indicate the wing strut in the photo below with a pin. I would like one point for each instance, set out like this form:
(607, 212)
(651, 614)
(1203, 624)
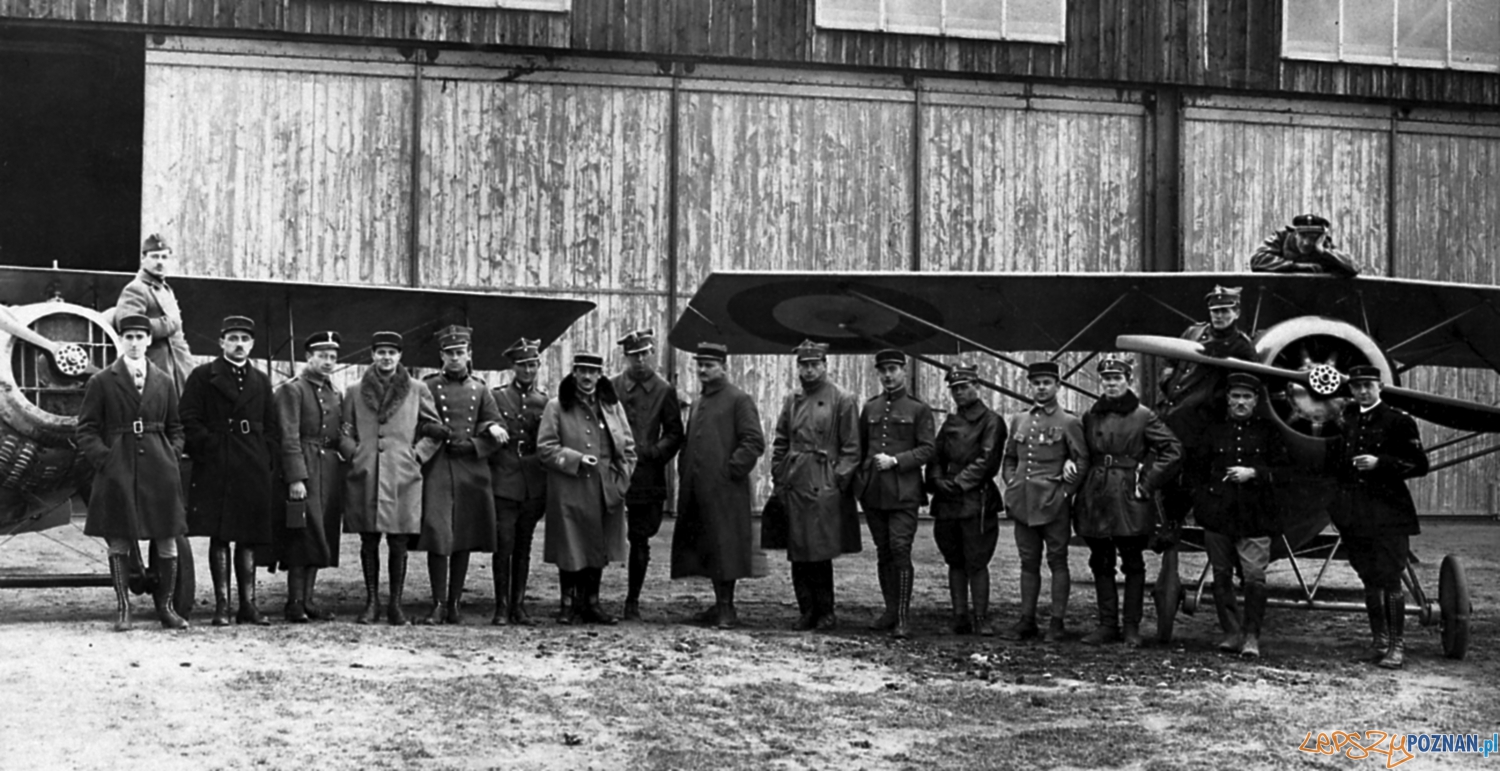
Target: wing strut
(1088, 326)
(1158, 301)
(1434, 328)
(939, 364)
(956, 336)
(1465, 458)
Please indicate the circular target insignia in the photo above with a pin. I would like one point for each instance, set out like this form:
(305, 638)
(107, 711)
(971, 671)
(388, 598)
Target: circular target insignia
(789, 312)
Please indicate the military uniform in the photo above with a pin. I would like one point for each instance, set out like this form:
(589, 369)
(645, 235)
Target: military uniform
(519, 485)
(1280, 253)
(1374, 511)
(152, 297)
(1042, 440)
(899, 425)
(655, 417)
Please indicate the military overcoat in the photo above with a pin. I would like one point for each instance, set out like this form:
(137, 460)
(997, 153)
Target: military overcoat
(137, 491)
(383, 437)
(458, 504)
(655, 417)
(967, 454)
(813, 459)
(1239, 509)
(1128, 445)
(151, 297)
(1377, 502)
(233, 438)
(309, 413)
(712, 537)
(585, 505)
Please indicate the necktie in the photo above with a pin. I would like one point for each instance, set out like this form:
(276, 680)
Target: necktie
(139, 375)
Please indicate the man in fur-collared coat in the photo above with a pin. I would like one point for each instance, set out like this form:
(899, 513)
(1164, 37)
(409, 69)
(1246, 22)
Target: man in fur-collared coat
(390, 429)
(586, 444)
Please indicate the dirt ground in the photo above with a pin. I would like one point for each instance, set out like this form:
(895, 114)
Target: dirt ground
(662, 694)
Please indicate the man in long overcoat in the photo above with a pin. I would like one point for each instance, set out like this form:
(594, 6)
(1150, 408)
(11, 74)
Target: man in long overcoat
(309, 414)
(390, 429)
(724, 440)
(813, 459)
(519, 481)
(589, 452)
(128, 429)
(655, 415)
(1236, 471)
(1380, 449)
(1045, 456)
(458, 508)
(149, 295)
(896, 441)
(1132, 454)
(229, 414)
(965, 504)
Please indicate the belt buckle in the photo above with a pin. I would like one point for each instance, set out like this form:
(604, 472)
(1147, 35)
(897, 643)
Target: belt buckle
(1109, 461)
(139, 426)
(244, 426)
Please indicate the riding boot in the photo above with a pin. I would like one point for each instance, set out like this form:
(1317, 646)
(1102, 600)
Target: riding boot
(244, 576)
(1108, 628)
(979, 594)
(1062, 584)
(315, 611)
(1395, 615)
(807, 604)
(1255, 613)
(218, 568)
(1375, 610)
(640, 559)
(593, 610)
(904, 576)
(397, 567)
(1025, 627)
(369, 564)
(889, 585)
(520, 572)
(827, 618)
(437, 576)
(458, 573)
(119, 575)
(1229, 616)
(565, 582)
(958, 596)
(728, 618)
(166, 587)
(501, 569)
(1135, 599)
(709, 616)
(296, 598)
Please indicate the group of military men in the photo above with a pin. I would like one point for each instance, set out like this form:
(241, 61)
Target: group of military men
(447, 466)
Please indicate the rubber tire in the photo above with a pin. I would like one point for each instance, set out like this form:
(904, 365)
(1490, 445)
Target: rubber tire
(1455, 606)
(1190, 603)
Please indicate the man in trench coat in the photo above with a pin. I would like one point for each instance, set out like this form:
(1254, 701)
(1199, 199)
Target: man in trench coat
(309, 411)
(724, 440)
(458, 509)
(519, 482)
(813, 459)
(149, 295)
(589, 452)
(128, 430)
(229, 414)
(390, 429)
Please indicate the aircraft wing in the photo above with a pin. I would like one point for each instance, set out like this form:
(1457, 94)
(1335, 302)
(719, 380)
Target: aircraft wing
(292, 310)
(1453, 325)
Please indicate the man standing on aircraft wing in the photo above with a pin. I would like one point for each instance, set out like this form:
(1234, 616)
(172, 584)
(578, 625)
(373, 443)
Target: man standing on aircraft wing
(1380, 449)
(1241, 461)
(149, 295)
(813, 458)
(1305, 246)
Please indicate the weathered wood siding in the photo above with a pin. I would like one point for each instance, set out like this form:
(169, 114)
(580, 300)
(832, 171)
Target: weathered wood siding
(278, 168)
(1232, 44)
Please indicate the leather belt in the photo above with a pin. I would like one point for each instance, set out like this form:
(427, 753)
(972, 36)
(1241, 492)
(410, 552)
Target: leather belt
(240, 427)
(139, 427)
(1114, 461)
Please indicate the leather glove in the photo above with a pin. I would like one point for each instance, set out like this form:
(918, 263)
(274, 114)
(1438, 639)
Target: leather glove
(438, 431)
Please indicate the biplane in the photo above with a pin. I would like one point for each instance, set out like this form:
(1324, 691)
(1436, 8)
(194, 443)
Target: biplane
(56, 329)
(1308, 331)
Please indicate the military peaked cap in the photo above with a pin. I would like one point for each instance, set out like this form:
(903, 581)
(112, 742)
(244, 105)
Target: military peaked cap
(637, 341)
(321, 341)
(588, 359)
(1043, 369)
(1223, 297)
(811, 351)
(236, 324)
(386, 340)
(1116, 363)
(961, 373)
(523, 350)
(1361, 372)
(155, 243)
(1244, 380)
(133, 321)
(712, 352)
(454, 336)
(1310, 223)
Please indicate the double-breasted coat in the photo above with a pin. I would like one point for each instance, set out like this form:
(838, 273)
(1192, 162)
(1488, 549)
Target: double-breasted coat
(813, 459)
(1128, 446)
(724, 440)
(1376, 503)
(1239, 509)
(516, 470)
(900, 425)
(1193, 395)
(151, 297)
(458, 504)
(655, 417)
(383, 426)
(585, 505)
(1041, 440)
(232, 437)
(967, 453)
(137, 491)
(309, 413)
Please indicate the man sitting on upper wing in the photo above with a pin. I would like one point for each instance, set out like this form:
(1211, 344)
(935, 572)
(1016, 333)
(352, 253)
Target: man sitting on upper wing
(1304, 246)
(149, 295)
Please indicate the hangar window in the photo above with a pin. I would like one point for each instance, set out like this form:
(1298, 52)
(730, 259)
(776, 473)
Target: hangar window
(1457, 34)
(558, 6)
(1034, 21)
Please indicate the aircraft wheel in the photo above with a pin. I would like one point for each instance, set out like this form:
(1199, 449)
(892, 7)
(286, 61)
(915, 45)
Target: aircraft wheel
(1454, 604)
(1190, 603)
(187, 579)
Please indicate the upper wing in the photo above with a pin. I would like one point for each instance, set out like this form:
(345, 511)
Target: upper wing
(1452, 325)
(291, 310)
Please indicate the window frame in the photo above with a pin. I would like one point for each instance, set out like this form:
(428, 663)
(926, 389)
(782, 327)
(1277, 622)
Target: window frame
(882, 24)
(1449, 62)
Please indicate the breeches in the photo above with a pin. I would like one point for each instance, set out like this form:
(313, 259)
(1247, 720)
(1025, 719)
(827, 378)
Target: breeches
(893, 531)
(642, 521)
(515, 524)
(165, 547)
(1102, 554)
(1252, 554)
(1380, 560)
(1031, 538)
(967, 544)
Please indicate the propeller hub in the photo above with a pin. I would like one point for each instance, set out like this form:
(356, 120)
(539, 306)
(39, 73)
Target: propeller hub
(71, 359)
(1324, 379)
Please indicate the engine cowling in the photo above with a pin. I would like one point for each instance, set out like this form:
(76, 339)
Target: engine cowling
(1324, 346)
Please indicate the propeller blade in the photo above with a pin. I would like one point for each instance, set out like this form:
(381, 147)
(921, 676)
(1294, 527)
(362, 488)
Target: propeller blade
(1187, 350)
(9, 323)
(1443, 410)
(68, 358)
